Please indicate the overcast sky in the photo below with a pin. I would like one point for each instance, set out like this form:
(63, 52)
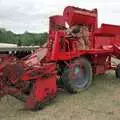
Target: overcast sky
(32, 15)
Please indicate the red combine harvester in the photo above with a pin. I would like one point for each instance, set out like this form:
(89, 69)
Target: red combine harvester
(76, 49)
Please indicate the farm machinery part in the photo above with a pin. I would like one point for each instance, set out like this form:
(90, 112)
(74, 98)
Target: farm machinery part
(76, 49)
(35, 85)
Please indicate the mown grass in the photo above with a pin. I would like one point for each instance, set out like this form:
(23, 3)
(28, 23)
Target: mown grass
(100, 102)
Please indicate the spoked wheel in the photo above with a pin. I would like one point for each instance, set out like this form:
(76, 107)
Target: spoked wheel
(78, 76)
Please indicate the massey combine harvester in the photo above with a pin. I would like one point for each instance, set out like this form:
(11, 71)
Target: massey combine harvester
(76, 49)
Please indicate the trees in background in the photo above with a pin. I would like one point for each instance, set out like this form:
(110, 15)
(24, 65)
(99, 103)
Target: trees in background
(22, 39)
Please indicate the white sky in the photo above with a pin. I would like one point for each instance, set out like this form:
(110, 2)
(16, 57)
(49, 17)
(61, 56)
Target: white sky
(32, 15)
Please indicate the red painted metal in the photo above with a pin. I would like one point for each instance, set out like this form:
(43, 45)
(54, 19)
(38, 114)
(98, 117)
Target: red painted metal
(16, 76)
(103, 42)
(35, 76)
(74, 15)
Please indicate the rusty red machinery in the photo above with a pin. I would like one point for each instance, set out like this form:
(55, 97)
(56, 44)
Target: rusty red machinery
(76, 49)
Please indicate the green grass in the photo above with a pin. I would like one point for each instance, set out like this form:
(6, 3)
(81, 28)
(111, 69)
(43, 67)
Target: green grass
(100, 102)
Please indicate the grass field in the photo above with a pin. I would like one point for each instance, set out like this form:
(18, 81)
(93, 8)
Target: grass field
(100, 102)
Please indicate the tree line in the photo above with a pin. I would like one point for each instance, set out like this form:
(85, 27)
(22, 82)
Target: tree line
(25, 39)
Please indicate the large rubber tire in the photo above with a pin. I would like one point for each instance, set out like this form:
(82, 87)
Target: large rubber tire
(78, 76)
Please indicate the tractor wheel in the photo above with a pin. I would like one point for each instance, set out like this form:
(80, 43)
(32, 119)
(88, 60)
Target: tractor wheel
(117, 71)
(78, 76)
